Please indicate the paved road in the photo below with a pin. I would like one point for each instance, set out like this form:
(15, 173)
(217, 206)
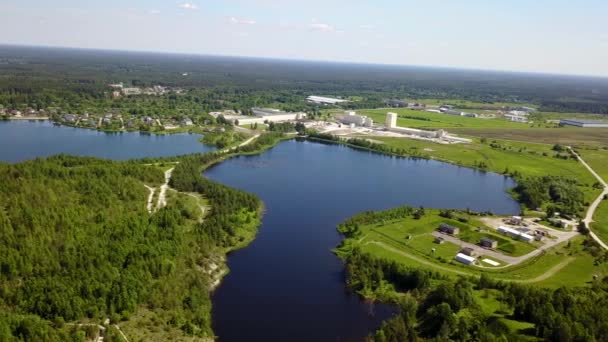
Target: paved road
(589, 217)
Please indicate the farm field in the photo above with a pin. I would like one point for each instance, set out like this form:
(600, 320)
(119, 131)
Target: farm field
(526, 158)
(573, 136)
(428, 120)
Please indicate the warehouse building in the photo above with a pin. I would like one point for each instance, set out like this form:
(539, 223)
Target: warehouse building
(465, 259)
(324, 100)
(584, 123)
(263, 115)
(516, 234)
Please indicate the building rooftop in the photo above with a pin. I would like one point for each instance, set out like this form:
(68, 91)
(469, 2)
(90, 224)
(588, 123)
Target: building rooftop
(586, 121)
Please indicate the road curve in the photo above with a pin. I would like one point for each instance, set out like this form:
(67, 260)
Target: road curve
(589, 217)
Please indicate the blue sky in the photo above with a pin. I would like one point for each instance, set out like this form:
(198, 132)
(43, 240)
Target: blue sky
(534, 35)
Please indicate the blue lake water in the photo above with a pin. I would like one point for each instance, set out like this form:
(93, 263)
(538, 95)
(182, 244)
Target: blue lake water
(24, 140)
(287, 285)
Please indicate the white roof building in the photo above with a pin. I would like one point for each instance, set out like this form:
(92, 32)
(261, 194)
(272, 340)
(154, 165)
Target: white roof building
(515, 233)
(324, 100)
(465, 259)
(351, 118)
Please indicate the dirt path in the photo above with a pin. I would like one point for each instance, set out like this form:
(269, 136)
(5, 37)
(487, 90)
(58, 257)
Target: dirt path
(121, 333)
(244, 143)
(150, 196)
(589, 217)
(162, 196)
(419, 260)
(201, 206)
(551, 272)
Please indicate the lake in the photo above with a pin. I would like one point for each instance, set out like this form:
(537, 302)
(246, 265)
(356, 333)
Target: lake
(24, 140)
(287, 285)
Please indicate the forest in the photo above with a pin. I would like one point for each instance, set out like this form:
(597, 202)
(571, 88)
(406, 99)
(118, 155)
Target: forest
(77, 80)
(77, 244)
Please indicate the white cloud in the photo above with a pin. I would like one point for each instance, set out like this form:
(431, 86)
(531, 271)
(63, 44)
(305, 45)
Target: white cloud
(242, 21)
(189, 6)
(317, 26)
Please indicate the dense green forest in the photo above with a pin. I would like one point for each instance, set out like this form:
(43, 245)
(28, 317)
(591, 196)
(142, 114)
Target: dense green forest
(77, 244)
(76, 80)
(435, 307)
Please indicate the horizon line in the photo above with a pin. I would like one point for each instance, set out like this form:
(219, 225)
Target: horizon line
(286, 59)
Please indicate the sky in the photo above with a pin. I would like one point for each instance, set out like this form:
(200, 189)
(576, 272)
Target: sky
(549, 36)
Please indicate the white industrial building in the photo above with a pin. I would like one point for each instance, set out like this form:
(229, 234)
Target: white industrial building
(263, 115)
(515, 234)
(584, 123)
(391, 125)
(517, 116)
(324, 100)
(465, 259)
(351, 118)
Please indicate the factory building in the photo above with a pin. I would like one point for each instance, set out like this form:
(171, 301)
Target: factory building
(391, 125)
(351, 118)
(514, 233)
(267, 115)
(517, 116)
(584, 123)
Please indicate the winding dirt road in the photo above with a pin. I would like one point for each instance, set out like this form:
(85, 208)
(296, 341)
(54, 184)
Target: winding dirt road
(162, 197)
(593, 207)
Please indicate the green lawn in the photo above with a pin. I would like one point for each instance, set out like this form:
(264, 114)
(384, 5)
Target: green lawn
(527, 158)
(420, 238)
(600, 226)
(471, 104)
(438, 120)
(574, 136)
(597, 159)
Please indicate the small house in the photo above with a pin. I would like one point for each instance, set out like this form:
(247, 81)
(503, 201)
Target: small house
(488, 243)
(516, 220)
(448, 229)
(468, 251)
(439, 240)
(465, 259)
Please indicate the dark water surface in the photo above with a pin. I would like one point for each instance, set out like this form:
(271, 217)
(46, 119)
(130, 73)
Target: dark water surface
(24, 140)
(287, 285)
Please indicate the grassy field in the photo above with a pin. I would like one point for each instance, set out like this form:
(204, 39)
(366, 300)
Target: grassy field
(527, 158)
(561, 265)
(409, 241)
(458, 103)
(600, 226)
(597, 159)
(438, 120)
(574, 136)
